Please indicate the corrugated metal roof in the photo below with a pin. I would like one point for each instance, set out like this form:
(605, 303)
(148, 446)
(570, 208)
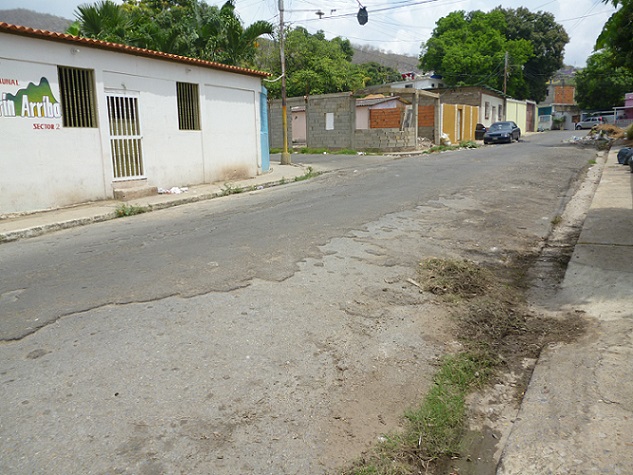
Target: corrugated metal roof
(78, 40)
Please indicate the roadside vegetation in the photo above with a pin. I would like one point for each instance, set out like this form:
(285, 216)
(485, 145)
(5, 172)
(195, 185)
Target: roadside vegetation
(310, 173)
(318, 151)
(496, 331)
(448, 148)
(129, 210)
(326, 151)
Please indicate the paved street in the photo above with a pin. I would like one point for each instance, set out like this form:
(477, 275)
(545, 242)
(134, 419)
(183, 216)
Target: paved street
(264, 332)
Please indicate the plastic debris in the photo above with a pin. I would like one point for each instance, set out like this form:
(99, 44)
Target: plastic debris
(173, 190)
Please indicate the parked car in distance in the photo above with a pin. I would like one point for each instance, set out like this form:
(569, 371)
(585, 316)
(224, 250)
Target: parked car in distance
(502, 132)
(480, 130)
(589, 122)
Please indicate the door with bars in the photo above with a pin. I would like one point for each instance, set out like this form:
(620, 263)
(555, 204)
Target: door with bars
(125, 136)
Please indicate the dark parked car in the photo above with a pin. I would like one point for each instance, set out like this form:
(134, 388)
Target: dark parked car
(502, 132)
(480, 130)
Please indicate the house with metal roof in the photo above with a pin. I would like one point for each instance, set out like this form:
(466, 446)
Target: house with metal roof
(84, 120)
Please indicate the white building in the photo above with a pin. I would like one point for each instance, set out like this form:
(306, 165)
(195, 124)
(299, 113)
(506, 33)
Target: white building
(413, 80)
(81, 118)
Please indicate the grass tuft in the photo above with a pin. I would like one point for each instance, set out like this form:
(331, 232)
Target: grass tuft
(230, 189)
(129, 210)
(310, 173)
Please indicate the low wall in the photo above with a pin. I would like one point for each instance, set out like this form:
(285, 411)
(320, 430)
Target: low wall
(388, 140)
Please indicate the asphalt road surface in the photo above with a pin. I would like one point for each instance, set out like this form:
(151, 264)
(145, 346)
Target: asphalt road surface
(268, 332)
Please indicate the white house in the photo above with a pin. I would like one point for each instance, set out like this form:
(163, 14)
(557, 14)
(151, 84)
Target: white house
(419, 81)
(81, 118)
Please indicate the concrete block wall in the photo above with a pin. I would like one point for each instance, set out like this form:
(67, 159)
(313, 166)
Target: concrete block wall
(344, 133)
(466, 96)
(275, 131)
(343, 108)
(388, 140)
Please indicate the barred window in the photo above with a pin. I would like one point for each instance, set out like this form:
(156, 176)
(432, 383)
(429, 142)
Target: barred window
(77, 90)
(188, 106)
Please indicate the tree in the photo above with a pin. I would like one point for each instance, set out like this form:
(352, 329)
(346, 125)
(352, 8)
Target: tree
(616, 34)
(237, 44)
(314, 65)
(105, 21)
(601, 86)
(470, 49)
(184, 27)
(376, 74)
(548, 40)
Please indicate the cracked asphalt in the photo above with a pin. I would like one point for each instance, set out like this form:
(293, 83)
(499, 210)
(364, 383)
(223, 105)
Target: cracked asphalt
(270, 332)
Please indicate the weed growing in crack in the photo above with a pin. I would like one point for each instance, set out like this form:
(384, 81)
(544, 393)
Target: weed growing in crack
(230, 189)
(310, 173)
(129, 210)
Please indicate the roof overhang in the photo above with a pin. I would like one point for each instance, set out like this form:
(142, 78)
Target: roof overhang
(125, 49)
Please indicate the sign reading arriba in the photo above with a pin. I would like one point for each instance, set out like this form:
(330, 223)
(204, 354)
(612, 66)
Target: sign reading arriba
(32, 102)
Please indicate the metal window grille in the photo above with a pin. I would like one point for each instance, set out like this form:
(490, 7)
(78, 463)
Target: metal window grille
(125, 137)
(77, 92)
(188, 106)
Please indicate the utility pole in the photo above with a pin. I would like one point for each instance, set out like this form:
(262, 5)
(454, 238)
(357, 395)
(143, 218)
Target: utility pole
(285, 156)
(505, 75)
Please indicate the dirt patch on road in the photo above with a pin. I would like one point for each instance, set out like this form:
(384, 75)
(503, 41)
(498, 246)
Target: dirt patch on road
(495, 328)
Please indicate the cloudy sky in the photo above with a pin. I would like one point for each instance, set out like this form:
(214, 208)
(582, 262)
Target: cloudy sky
(399, 26)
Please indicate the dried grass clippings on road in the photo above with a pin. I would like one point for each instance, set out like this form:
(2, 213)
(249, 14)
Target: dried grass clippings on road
(496, 331)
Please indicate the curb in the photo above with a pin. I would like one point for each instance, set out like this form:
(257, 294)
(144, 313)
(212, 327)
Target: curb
(35, 231)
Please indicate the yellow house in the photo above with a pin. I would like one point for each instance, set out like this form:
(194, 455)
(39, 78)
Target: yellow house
(459, 121)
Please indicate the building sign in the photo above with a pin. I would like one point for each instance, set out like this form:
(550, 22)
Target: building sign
(30, 101)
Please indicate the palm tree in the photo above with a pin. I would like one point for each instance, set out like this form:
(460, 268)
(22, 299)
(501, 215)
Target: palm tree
(104, 20)
(185, 27)
(237, 44)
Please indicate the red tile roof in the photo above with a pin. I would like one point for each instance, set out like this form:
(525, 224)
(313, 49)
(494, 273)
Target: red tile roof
(78, 40)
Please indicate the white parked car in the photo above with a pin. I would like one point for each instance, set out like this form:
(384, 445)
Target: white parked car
(589, 122)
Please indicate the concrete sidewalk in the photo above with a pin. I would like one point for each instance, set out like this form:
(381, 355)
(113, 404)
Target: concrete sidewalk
(36, 224)
(577, 414)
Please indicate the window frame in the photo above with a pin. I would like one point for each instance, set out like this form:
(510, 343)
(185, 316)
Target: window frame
(188, 105)
(77, 96)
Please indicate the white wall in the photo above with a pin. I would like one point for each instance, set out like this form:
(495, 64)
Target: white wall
(46, 168)
(517, 111)
(495, 102)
